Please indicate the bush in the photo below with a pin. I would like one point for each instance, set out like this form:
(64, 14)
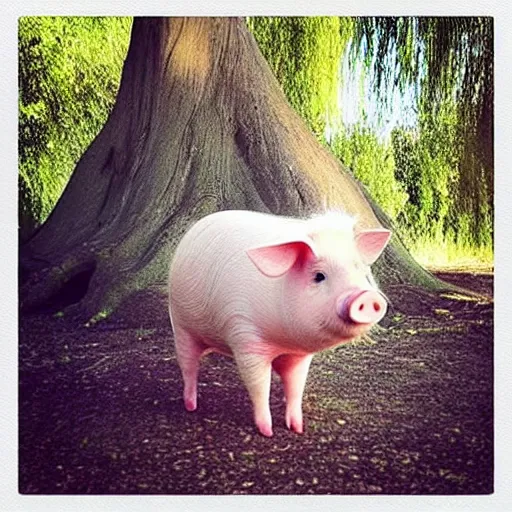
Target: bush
(373, 164)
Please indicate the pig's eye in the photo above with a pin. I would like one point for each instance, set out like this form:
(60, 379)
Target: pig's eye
(319, 277)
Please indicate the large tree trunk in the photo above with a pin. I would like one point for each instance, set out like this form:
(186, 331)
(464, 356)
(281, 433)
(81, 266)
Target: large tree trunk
(200, 124)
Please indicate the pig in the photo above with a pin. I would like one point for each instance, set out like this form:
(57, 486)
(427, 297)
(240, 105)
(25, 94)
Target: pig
(271, 291)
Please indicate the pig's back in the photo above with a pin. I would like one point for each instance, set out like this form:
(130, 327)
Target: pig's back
(212, 280)
(226, 235)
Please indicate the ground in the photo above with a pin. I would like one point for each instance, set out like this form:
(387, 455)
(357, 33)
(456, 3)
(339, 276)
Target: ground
(100, 408)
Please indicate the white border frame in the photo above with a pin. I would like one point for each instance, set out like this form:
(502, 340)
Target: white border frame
(9, 13)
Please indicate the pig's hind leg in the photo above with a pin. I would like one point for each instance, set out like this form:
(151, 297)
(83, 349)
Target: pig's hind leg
(188, 353)
(293, 370)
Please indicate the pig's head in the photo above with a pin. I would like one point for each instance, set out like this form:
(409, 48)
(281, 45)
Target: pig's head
(326, 292)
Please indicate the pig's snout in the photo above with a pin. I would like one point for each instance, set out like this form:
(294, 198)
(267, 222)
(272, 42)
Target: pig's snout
(363, 307)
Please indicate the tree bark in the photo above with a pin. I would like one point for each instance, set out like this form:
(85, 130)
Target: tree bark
(200, 124)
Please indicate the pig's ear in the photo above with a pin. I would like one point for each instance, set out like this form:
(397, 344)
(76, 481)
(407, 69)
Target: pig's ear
(371, 243)
(276, 260)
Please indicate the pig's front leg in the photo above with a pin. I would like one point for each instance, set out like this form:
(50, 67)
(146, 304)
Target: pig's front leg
(256, 371)
(293, 370)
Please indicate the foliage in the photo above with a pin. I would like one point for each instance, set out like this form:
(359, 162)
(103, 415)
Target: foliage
(447, 202)
(435, 181)
(447, 57)
(373, 164)
(305, 55)
(446, 165)
(69, 73)
(427, 165)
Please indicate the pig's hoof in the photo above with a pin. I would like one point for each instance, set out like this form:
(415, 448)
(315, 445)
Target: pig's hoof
(266, 430)
(295, 425)
(190, 404)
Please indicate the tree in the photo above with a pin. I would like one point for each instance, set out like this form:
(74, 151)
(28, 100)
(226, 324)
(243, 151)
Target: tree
(372, 162)
(304, 54)
(449, 61)
(67, 89)
(200, 124)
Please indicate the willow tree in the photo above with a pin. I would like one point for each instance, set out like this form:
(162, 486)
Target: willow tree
(304, 54)
(450, 63)
(200, 124)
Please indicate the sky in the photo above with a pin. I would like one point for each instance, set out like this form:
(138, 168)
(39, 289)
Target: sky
(401, 113)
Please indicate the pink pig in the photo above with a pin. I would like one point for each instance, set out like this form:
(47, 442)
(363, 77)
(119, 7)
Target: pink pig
(271, 291)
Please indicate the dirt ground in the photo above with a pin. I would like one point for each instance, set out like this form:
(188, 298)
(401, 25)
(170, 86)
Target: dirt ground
(100, 409)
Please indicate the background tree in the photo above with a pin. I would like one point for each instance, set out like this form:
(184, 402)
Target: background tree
(373, 163)
(305, 55)
(448, 61)
(69, 70)
(200, 124)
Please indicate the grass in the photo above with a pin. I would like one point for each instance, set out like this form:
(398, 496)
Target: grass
(144, 333)
(434, 254)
